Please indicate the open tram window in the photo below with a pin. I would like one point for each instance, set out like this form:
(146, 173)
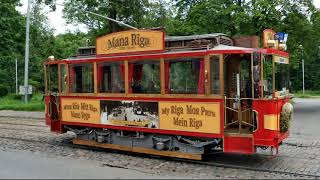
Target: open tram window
(63, 78)
(256, 75)
(144, 77)
(111, 77)
(81, 77)
(184, 76)
(215, 75)
(267, 76)
(53, 80)
(281, 70)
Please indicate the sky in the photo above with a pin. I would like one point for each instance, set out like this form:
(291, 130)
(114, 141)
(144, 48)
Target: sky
(55, 18)
(59, 24)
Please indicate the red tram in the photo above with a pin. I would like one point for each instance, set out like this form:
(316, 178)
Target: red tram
(178, 96)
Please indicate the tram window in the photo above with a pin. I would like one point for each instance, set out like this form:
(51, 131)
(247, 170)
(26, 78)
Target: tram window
(214, 74)
(281, 77)
(144, 77)
(267, 77)
(63, 78)
(53, 78)
(81, 76)
(111, 77)
(184, 76)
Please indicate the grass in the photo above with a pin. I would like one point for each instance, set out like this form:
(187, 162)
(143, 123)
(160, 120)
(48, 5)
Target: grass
(307, 94)
(14, 102)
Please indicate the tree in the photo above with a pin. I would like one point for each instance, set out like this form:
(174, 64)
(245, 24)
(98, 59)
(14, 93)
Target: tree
(129, 11)
(11, 44)
(66, 45)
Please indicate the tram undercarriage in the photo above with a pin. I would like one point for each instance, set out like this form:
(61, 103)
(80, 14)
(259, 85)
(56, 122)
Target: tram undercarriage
(139, 142)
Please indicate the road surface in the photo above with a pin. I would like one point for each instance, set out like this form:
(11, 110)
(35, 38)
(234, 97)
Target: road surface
(306, 117)
(300, 153)
(23, 165)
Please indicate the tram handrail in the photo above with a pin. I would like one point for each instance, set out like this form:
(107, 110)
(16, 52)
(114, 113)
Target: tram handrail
(238, 110)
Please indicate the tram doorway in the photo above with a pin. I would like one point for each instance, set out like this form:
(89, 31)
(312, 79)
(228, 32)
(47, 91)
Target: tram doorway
(52, 100)
(238, 94)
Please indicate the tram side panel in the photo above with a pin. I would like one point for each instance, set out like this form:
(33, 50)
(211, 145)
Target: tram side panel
(268, 132)
(193, 118)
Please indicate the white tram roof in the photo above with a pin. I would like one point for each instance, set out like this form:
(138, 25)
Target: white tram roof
(222, 47)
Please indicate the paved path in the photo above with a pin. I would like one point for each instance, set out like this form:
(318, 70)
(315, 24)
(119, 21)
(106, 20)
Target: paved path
(32, 166)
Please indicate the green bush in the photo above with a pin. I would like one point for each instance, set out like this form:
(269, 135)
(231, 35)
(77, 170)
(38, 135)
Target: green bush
(14, 96)
(14, 102)
(3, 90)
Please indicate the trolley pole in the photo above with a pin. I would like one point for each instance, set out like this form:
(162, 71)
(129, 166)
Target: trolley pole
(26, 56)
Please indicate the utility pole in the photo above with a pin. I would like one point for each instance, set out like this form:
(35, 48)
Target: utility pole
(16, 76)
(302, 64)
(26, 55)
(302, 76)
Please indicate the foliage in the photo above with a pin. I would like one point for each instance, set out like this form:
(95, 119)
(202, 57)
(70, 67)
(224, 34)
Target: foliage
(66, 45)
(128, 11)
(307, 94)
(11, 102)
(3, 90)
(11, 23)
(299, 18)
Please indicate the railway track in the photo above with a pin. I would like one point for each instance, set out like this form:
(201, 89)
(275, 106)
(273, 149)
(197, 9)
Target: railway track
(68, 144)
(22, 124)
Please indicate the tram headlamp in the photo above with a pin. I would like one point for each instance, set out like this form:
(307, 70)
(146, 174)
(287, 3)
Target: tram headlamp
(51, 58)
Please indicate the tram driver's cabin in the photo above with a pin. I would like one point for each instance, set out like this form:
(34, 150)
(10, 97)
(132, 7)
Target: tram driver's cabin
(181, 96)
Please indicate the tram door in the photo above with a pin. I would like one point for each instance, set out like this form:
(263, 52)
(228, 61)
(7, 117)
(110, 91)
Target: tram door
(52, 99)
(238, 93)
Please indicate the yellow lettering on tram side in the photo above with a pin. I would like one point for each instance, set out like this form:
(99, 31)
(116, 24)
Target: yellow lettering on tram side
(192, 117)
(75, 110)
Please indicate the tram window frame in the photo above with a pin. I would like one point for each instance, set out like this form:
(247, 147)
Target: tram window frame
(257, 75)
(215, 74)
(138, 82)
(63, 78)
(281, 76)
(51, 72)
(120, 77)
(73, 78)
(268, 59)
(200, 88)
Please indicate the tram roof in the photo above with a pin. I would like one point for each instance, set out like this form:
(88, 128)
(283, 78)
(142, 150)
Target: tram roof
(219, 49)
(192, 37)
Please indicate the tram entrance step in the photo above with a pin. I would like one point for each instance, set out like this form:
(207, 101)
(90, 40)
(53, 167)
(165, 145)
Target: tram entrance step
(238, 144)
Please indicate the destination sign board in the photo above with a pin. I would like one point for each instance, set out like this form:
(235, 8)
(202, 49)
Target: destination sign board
(130, 41)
